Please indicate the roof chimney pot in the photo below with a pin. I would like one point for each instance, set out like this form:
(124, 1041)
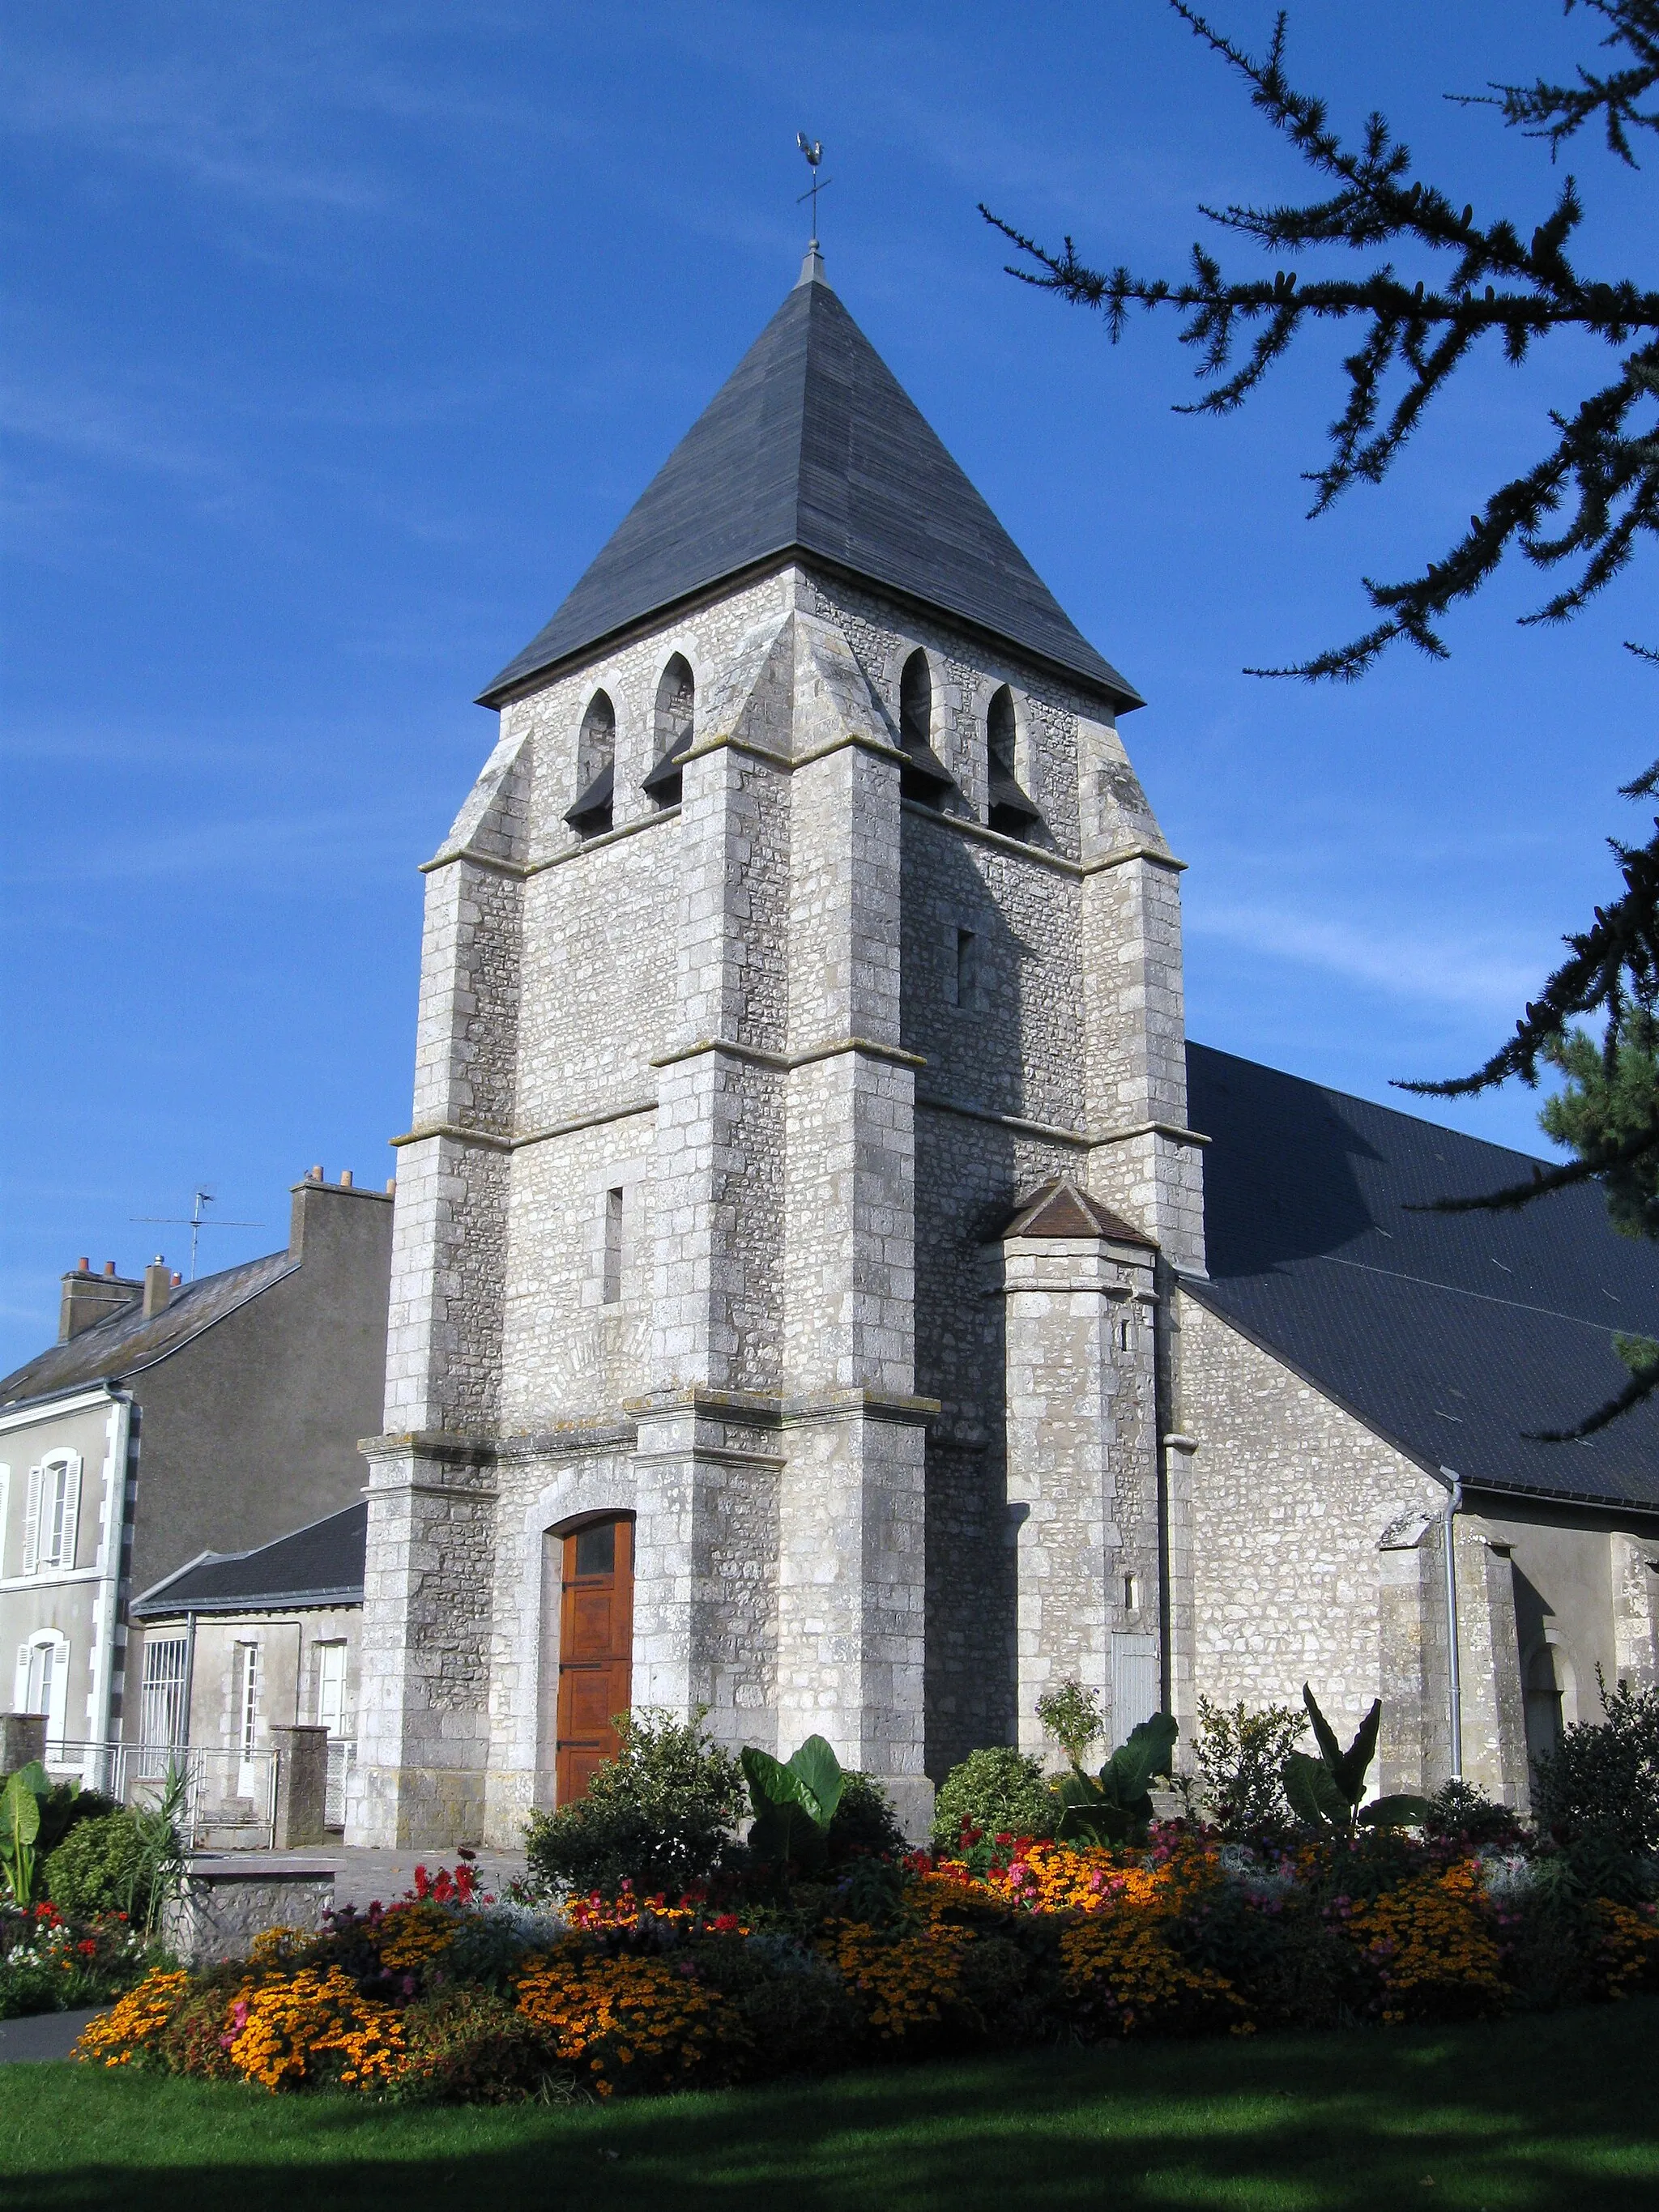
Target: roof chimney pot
(313, 1175)
(83, 1267)
(345, 1178)
(109, 1268)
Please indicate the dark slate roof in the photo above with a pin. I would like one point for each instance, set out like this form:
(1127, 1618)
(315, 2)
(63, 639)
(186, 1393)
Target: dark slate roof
(1059, 1208)
(812, 445)
(319, 1564)
(119, 1346)
(1450, 1334)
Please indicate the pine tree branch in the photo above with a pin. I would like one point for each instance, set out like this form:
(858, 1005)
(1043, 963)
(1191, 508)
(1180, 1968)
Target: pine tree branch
(1559, 112)
(1644, 1381)
(1602, 467)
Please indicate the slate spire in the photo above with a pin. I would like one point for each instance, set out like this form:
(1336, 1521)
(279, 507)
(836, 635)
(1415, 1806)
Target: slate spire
(811, 447)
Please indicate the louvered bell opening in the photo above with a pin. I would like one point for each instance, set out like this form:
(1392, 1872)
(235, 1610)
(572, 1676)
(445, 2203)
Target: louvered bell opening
(664, 782)
(1012, 814)
(923, 777)
(592, 812)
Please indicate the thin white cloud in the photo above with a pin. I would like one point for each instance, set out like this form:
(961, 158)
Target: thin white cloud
(1447, 967)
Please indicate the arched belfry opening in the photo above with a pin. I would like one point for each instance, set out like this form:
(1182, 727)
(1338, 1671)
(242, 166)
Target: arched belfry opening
(677, 703)
(596, 768)
(922, 777)
(1010, 811)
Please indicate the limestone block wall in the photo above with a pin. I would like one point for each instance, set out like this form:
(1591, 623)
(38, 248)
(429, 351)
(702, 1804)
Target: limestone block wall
(1291, 1500)
(1635, 1562)
(1082, 1461)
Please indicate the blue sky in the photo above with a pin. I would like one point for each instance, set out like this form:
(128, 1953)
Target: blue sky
(338, 341)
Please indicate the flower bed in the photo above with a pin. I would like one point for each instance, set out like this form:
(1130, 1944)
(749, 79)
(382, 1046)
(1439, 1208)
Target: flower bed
(447, 1995)
(51, 1962)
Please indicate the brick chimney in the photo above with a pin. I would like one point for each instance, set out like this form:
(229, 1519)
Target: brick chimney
(158, 1287)
(87, 1298)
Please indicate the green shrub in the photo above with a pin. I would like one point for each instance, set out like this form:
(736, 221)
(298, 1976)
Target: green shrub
(1000, 1791)
(1600, 1786)
(1461, 1812)
(1241, 1756)
(1071, 1714)
(100, 1867)
(865, 1823)
(659, 1815)
(471, 2046)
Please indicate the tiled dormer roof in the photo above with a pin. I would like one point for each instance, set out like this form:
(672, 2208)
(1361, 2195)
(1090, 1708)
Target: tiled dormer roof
(813, 447)
(1060, 1209)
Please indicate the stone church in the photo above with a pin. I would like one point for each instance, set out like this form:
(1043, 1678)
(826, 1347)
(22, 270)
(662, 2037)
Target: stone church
(827, 1289)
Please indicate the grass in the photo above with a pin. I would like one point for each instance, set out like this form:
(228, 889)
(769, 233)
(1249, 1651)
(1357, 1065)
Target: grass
(1526, 2116)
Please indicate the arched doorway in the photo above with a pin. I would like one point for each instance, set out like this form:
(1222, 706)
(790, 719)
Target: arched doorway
(596, 1649)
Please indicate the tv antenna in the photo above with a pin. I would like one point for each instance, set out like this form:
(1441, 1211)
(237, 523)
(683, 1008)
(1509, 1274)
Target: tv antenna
(813, 149)
(196, 1221)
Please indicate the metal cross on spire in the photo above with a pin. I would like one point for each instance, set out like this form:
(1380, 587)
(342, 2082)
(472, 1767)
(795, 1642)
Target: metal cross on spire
(813, 149)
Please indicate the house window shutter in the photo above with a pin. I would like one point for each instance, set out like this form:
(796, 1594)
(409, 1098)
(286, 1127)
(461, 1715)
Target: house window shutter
(20, 1688)
(71, 1517)
(32, 1523)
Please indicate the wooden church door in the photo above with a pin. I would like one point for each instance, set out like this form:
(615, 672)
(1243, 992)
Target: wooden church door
(595, 1649)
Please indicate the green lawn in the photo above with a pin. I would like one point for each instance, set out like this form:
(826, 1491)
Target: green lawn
(1560, 2111)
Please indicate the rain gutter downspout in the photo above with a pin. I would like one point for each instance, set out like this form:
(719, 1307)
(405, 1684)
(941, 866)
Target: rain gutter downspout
(1454, 1675)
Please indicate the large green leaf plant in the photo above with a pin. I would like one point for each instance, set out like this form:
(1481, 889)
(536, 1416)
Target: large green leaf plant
(1109, 1807)
(1327, 1792)
(794, 1802)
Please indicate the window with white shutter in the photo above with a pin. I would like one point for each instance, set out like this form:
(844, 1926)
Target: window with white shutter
(32, 1522)
(60, 1510)
(43, 1677)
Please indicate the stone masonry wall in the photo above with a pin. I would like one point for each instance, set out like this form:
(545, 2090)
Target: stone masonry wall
(1291, 1500)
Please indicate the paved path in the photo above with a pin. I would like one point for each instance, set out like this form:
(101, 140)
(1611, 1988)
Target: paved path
(362, 1876)
(44, 2034)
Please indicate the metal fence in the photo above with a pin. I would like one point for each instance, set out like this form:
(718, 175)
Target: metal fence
(231, 1797)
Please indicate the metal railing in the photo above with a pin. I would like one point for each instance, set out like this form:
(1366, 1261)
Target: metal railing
(341, 1752)
(231, 1801)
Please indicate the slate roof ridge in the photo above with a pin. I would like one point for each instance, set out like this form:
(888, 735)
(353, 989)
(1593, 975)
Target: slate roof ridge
(94, 1354)
(812, 447)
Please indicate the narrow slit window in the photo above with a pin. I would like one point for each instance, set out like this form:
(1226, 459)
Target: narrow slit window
(1131, 1593)
(966, 978)
(613, 1247)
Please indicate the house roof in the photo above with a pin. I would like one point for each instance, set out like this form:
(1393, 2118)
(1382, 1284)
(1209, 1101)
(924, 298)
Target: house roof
(813, 447)
(319, 1564)
(125, 1342)
(1452, 1336)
